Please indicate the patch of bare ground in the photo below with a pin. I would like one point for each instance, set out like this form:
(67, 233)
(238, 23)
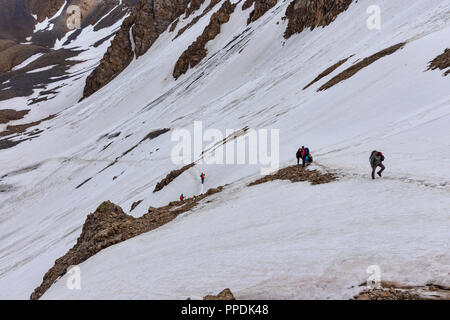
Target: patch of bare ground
(197, 51)
(194, 6)
(297, 174)
(22, 83)
(211, 5)
(20, 128)
(395, 291)
(302, 14)
(18, 131)
(174, 24)
(171, 176)
(441, 62)
(109, 225)
(348, 73)
(327, 72)
(7, 115)
(225, 294)
(261, 7)
(147, 21)
(13, 54)
(135, 204)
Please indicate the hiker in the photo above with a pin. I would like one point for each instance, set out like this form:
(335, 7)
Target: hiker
(308, 157)
(202, 176)
(299, 155)
(181, 197)
(376, 160)
(305, 153)
(302, 155)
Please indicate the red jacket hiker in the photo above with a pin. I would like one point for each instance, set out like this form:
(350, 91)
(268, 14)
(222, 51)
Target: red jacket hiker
(202, 176)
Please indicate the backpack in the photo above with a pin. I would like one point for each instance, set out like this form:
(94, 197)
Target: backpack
(306, 151)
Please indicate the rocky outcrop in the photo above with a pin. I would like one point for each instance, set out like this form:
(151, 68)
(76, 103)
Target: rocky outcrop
(109, 225)
(388, 290)
(44, 9)
(13, 54)
(441, 62)
(171, 176)
(20, 83)
(20, 128)
(297, 174)
(17, 134)
(193, 6)
(261, 7)
(144, 25)
(135, 204)
(302, 14)
(117, 58)
(211, 5)
(326, 72)
(197, 51)
(7, 115)
(348, 73)
(224, 295)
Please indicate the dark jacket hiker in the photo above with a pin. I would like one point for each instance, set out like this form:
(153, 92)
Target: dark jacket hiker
(299, 155)
(376, 160)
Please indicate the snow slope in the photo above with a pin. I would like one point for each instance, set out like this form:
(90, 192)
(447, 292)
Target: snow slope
(278, 240)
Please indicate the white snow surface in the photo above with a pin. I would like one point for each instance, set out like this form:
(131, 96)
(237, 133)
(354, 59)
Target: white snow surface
(275, 240)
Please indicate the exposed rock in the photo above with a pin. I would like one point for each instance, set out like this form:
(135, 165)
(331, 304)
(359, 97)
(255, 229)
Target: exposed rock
(21, 83)
(7, 115)
(211, 5)
(16, 23)
(109, 225)
(117, 58)
(145, 23)
(261, 7)
(20, 128)
(13, 54)
(348, 73)
(327, 72)
(394, 291)
(197, 51)
(193, 6)
(304, 14)
(44, 9)
(18, 134)
(173, 26)
(171, 176)
(441, 62)
(247, 4)
(224, 295)
(135, 204)
(296, 174)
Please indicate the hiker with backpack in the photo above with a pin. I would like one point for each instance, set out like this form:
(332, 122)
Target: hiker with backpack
(181, 197)
(307, 157)
(376, 160)
(299, 156)
(202, 176)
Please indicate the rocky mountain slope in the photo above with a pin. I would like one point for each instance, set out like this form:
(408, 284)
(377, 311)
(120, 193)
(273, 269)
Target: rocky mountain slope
(90, 116)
